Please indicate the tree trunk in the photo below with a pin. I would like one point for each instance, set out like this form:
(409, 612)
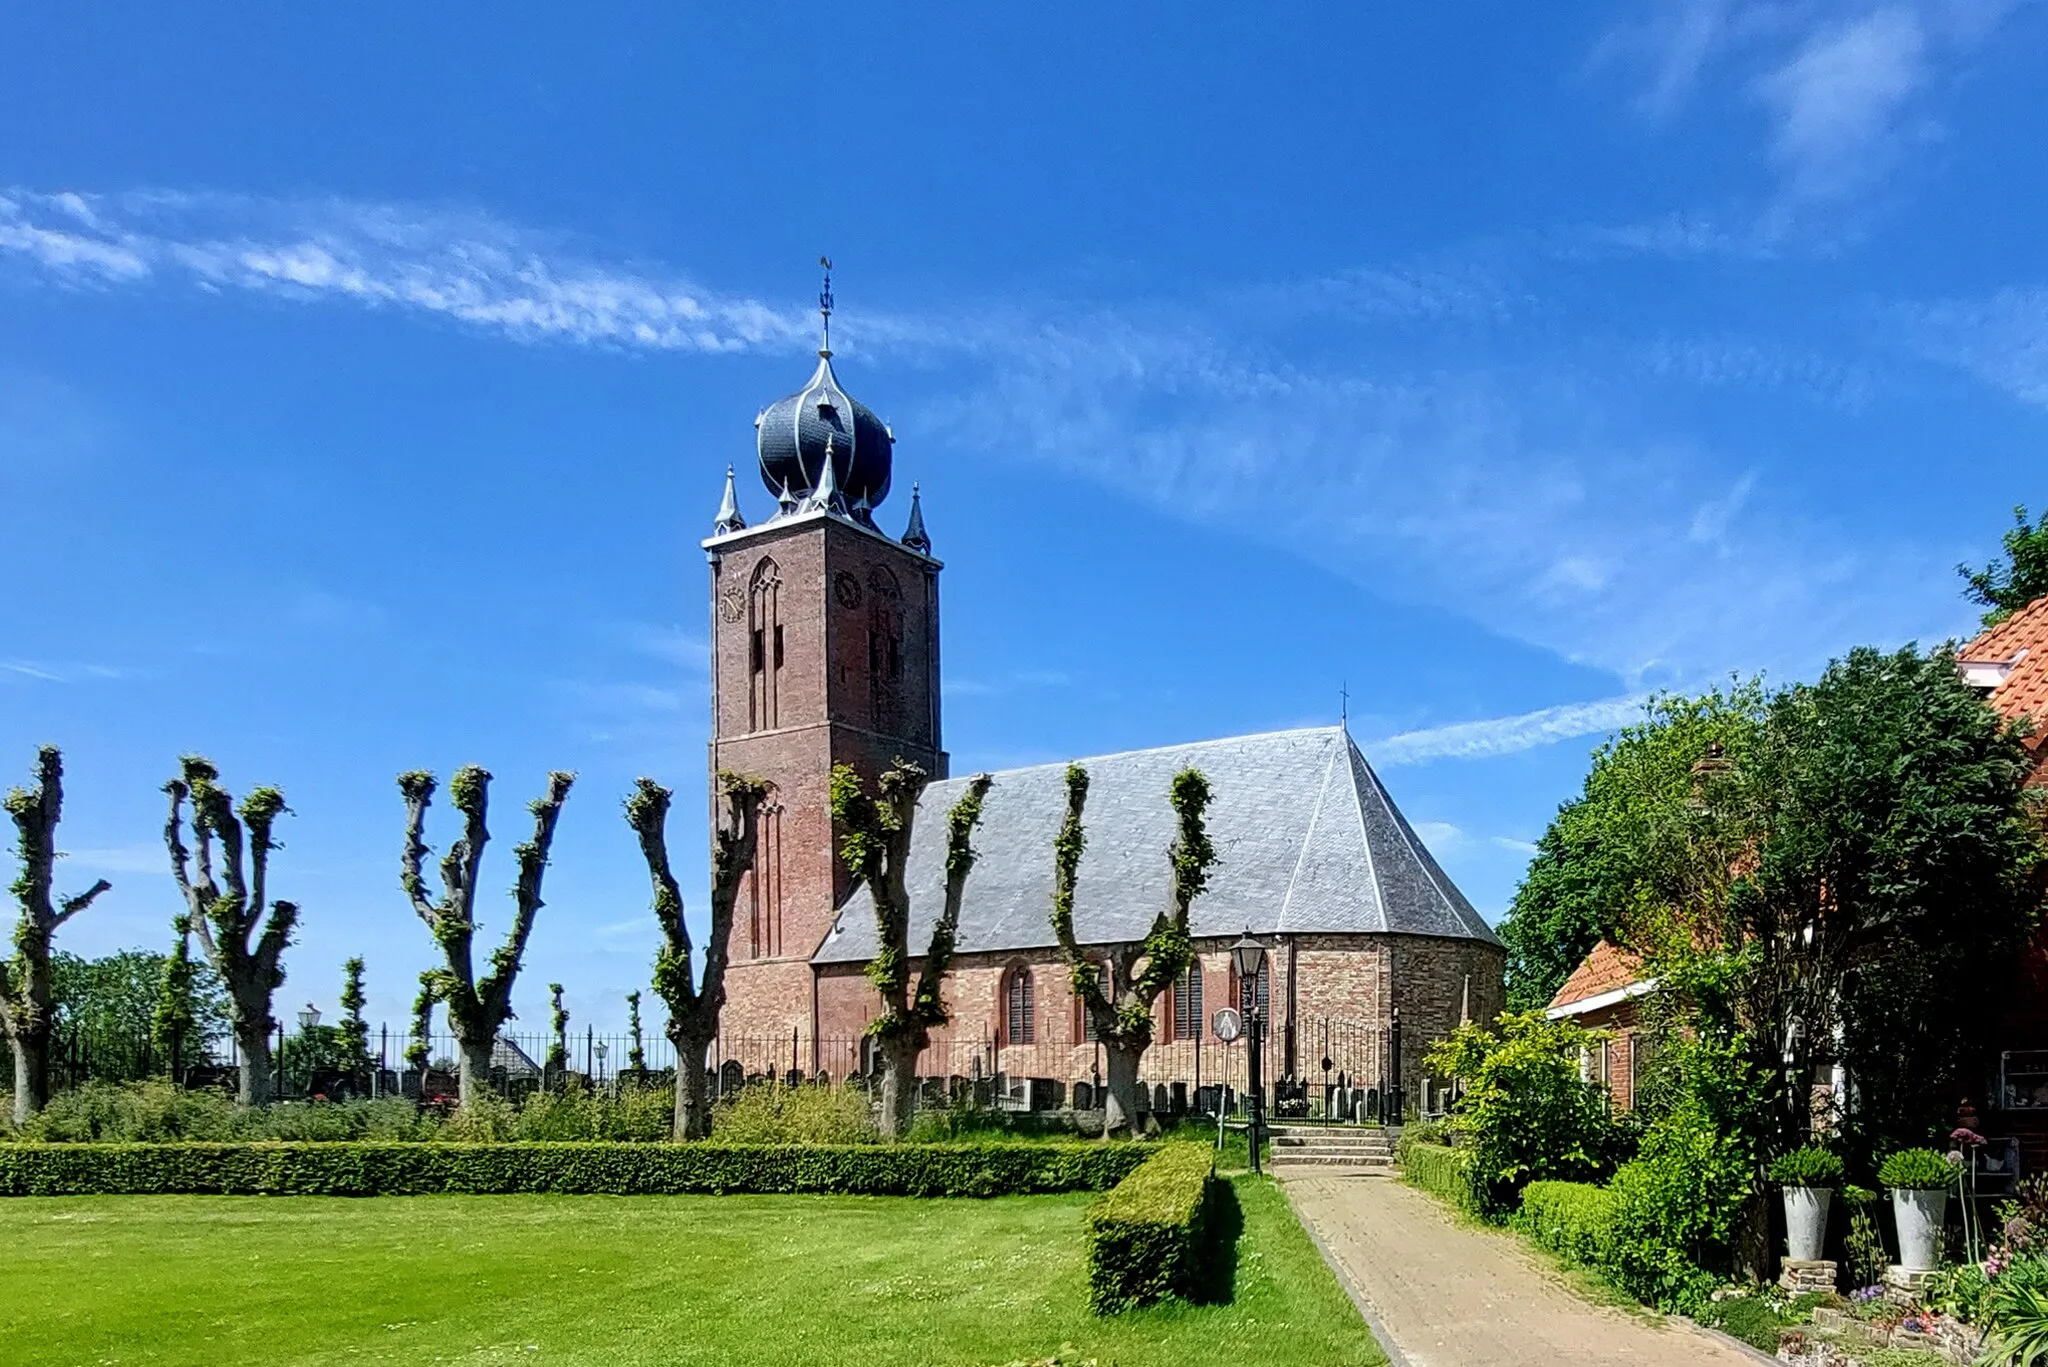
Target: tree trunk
(693, 1091)
(252, 1037)
(1120, 1105)
(31, 1076)
(899, 1084)
(475, 1075)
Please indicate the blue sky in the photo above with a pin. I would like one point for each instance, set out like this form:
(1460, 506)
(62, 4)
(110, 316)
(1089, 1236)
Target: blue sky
(367, 378)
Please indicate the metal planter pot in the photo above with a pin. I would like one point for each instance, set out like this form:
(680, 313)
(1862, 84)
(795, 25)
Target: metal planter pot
(1806, 1222)
(1920, 1215)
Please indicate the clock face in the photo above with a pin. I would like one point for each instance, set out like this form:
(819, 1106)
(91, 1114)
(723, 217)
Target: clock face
(846, 588)
(731, 604)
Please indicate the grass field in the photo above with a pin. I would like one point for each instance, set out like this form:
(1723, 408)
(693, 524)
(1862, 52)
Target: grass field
(625, 1281)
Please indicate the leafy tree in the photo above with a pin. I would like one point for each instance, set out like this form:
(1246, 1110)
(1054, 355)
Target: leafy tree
(1525, 1112)
(478, 1006)
(107, 1007)
(693, 1006)
(1893, 857)
(874, 842)
(354, 1031)
(26, 993)
(1118, 989)
(227, 914)
(2005, 586)
(1639, 838)
(636, 1053)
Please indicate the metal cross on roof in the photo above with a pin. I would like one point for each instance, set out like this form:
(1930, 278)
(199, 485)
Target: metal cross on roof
(825, 309)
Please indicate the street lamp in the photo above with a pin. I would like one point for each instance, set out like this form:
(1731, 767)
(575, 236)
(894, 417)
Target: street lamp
(1250, 956)
(602, 1049)
(308, 1017)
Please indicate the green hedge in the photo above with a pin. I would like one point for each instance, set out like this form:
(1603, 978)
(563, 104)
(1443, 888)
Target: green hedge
(1572, 1218)
(618, 1169)
(1444, 1173)
(1148, 1235)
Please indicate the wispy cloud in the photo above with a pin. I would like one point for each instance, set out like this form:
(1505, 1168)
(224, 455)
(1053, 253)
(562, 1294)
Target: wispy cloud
(1846, 85)
(45, 671)
(466, 267)
(1523, 495)
(2002, 339)
(1507, 735)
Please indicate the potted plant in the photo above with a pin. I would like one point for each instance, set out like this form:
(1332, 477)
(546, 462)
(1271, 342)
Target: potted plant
(1919, 1180)
(1809, 1175)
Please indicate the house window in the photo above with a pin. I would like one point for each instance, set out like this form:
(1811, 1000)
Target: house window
(1187, 1002)
(1020, 1009)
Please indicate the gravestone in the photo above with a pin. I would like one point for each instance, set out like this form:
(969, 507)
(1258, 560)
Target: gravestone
(1368, 1103)
(1344, 1105)
(1084, 1097)
(1180, 1098)
(1162, 1100)
(732, 1076)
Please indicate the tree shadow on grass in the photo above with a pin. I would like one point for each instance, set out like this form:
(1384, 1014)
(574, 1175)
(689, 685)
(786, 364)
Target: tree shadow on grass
(1216, 1275)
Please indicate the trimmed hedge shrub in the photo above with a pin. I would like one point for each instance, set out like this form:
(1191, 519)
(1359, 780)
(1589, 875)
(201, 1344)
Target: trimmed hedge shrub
(1572, 1218)
(1444, 1173)
(616, 1169)
(1148, 1235)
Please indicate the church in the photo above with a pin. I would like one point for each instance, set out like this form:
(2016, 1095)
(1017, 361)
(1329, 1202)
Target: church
(825, 651)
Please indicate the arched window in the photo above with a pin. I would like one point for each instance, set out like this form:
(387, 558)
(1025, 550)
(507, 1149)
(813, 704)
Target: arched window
(885, 648)
(764, 646)
(1020, 1008)
(1187, 1002)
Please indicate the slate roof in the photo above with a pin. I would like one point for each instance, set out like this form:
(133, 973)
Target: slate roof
(1306, 836)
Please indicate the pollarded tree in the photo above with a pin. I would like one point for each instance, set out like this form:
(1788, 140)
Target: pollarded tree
(557, 1062)
(477, 1006)
(354, 1031)
(693, 1007)
(420, 1044)
(636, 1054)
(27, 994)
(875, 843)
(243, 933)
(1118, 990)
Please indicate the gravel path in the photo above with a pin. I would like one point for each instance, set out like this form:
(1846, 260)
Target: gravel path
(1444, 1294)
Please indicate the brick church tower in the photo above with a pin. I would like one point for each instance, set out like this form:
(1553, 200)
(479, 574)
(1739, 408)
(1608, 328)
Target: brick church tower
(825, 650)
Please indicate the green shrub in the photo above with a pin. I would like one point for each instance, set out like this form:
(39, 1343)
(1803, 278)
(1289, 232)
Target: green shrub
(1525, 1113)
(2016, 1323)
(1749, 1318)
(1148, 1235)
(1917, 1170)
(770, 1113)
(1423, 1132)
(1444, 1173)
(1572, 1218)
(402, 1169)
(1675, 1207)
(1810, 1166)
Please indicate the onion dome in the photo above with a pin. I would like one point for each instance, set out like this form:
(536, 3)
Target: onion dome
(794, 434)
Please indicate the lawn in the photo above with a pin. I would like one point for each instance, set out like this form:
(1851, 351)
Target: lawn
(219, 1281)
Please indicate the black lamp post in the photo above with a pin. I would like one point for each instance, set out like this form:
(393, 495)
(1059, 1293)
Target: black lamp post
(1251, 961)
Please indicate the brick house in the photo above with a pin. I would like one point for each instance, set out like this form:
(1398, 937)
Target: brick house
(1605, 993)
(825, 650)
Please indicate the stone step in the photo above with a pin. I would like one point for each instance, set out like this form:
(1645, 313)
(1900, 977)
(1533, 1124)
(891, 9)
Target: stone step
(1338, 1141)
(1298, 1157)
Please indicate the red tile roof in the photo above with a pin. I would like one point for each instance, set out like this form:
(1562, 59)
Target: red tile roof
(2020, 643)
(1607, 969)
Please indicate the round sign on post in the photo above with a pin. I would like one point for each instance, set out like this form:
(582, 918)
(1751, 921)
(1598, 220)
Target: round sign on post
(1228, 1025)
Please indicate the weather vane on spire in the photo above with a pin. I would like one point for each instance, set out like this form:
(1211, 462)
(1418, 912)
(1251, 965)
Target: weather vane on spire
(825, 309)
